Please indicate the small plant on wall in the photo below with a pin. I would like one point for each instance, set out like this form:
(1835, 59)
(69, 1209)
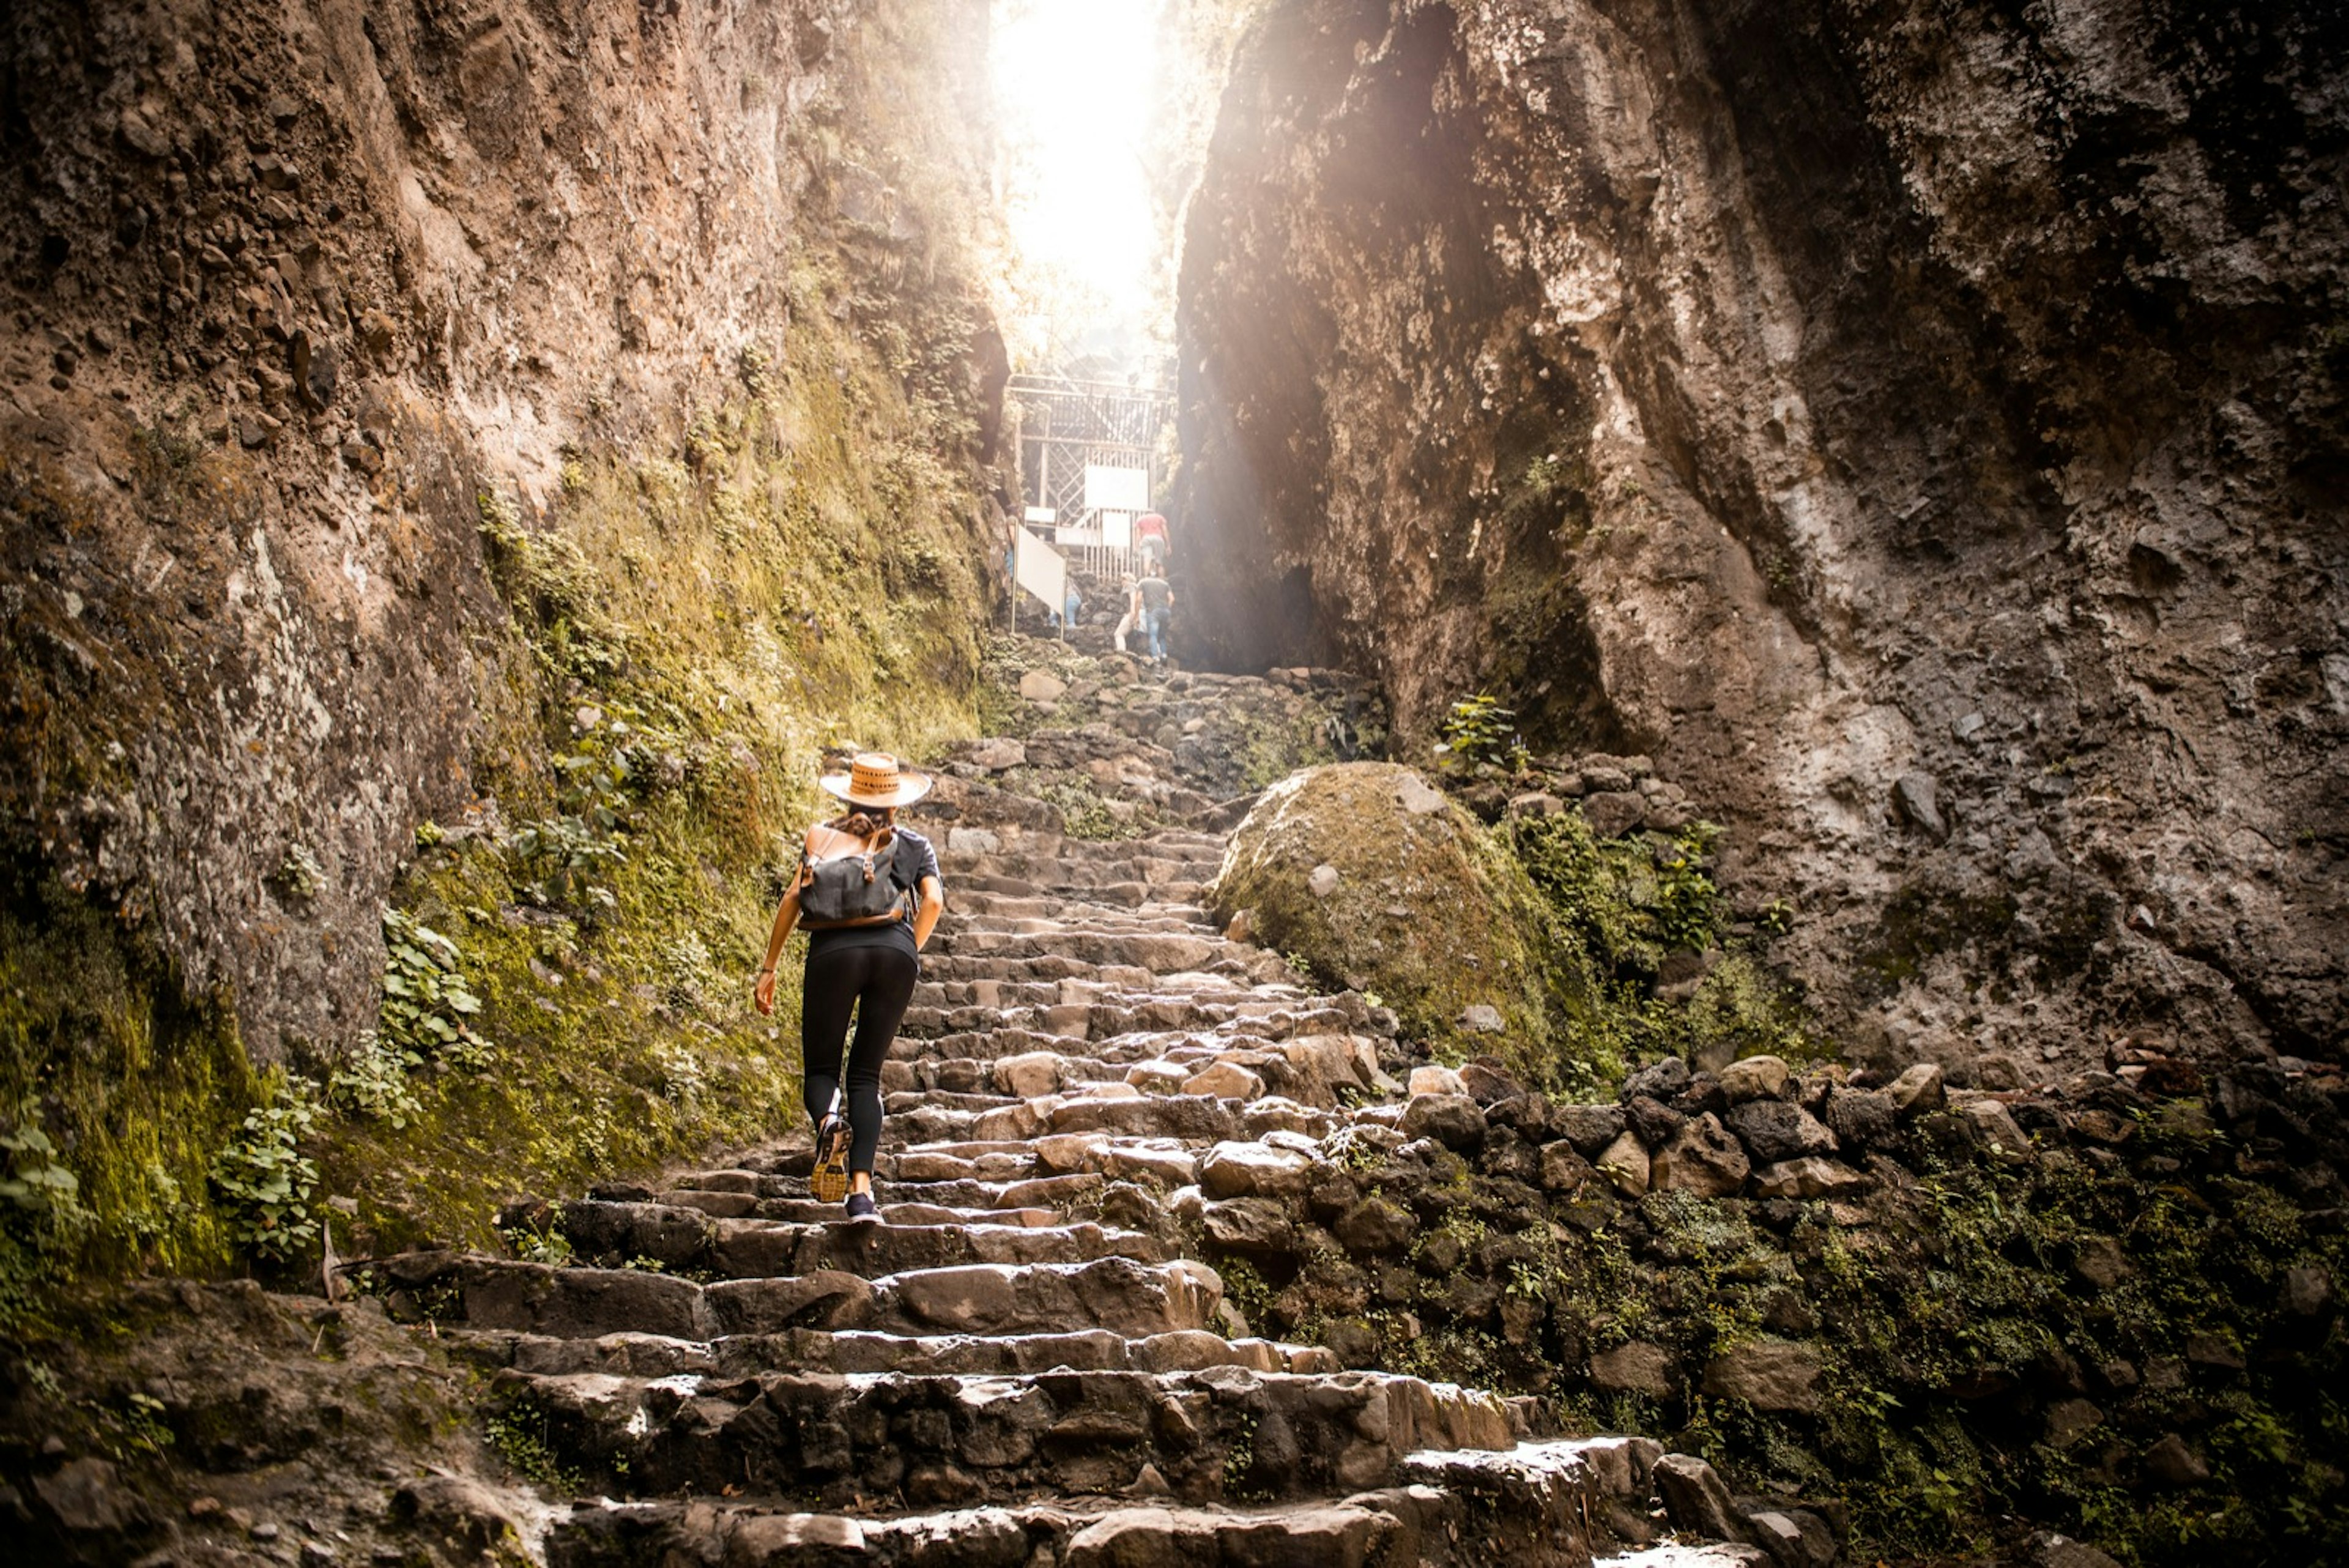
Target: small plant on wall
(1479, 732)
(264, 1181)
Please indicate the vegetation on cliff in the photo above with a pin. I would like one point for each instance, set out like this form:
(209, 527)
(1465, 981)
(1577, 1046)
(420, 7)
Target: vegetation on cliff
(1566, 952)
(695, 619)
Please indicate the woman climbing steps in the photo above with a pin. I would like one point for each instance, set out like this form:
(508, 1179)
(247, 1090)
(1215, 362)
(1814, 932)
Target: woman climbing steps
(869, 895)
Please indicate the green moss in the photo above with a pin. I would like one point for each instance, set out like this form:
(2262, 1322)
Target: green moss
(1268, 749)
(1973, 1285)
(135, 1085)
(1621, 908)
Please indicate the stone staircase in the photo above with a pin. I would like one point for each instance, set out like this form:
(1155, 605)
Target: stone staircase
(1021, 1363)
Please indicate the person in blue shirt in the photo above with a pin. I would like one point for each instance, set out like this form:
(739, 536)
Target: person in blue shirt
(1157, 603)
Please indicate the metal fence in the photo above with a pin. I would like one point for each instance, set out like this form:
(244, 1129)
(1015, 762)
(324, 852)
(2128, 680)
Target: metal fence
(1066, 426)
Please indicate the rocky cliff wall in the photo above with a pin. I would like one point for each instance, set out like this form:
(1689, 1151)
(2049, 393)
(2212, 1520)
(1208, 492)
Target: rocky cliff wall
(1818, 397)
(292, 289)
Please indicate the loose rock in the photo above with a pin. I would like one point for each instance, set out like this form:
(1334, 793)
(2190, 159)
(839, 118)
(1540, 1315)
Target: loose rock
(1767, 1373)
(1702, 1158)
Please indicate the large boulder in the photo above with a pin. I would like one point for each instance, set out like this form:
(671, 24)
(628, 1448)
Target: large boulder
(1427, 910)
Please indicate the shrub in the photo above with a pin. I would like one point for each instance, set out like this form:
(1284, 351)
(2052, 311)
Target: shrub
(374, 1083)
(35, 1185)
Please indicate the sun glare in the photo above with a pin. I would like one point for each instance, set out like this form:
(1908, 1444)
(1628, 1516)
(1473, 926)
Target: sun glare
(1073, 85)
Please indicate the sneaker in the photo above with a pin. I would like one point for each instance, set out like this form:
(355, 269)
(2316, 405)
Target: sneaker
(829, 1180)
(861, 1207)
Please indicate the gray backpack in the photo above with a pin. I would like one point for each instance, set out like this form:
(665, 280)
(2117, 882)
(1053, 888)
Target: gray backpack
(852, 890)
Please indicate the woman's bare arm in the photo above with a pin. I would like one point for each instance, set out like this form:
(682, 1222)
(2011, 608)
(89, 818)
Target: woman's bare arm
(925, 917)
(787, 915)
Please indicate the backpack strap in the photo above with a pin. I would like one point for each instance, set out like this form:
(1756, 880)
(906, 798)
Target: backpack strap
(887, 844)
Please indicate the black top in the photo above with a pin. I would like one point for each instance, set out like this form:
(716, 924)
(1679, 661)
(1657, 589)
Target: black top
(1156, 593)
(914, 860)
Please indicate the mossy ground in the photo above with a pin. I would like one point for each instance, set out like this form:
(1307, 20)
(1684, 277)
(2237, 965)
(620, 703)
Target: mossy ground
(1954, 1316)
(1621, 915)
(695, 618)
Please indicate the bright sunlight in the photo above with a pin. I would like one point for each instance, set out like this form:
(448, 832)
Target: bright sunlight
(1074, 83)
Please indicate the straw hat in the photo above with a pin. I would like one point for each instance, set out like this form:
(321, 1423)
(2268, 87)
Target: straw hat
(875, 779)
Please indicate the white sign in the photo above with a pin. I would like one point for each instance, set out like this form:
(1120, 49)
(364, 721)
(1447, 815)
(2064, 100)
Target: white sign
(1117, 530)
(1116, 489)
(1040, 569)
(1044, 514)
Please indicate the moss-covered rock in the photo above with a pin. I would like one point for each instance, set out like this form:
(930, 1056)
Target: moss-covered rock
(1367, 874)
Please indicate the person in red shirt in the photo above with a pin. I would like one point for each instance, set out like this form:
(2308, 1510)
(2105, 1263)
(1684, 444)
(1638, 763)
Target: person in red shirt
(1150, 538)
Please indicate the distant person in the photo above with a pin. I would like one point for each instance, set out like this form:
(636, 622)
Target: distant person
(1150, 538)
(1157, 597)
(1071, 606)
(1132, 616)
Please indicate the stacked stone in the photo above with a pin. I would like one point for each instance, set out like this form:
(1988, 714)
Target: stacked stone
(1617, 795)
(1152, 747)
(1026, 1362)
(1778, 1148)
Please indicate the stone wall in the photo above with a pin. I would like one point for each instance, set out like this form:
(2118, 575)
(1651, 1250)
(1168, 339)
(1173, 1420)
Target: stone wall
(290, 289)
(1941, 1315)
(1918, 430)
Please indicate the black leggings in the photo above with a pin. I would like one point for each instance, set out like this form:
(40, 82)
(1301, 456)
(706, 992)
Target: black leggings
(879, 981)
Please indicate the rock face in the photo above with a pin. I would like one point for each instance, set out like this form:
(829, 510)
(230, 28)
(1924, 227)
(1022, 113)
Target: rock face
(289, 293)
(1916, 437)
(1015, 1361)
(1368, 874)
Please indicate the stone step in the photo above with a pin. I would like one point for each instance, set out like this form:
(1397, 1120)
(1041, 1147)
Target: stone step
(1207, 1433)
(682, 1239)
(1264, 1025)
(1172, 842)
(1160, 953)
(807, 1210)
(1069, 907)
(996, 994)
(1091, 1024)
(860, 1350)
(1034, 967)
(1058, 1192)
(1388, 1527)
(1130, 922)
(1130, 1298)
(1023, 1075)
(784, 1195)
(943, 1100)
(1099, 863)
(1193, 1118)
